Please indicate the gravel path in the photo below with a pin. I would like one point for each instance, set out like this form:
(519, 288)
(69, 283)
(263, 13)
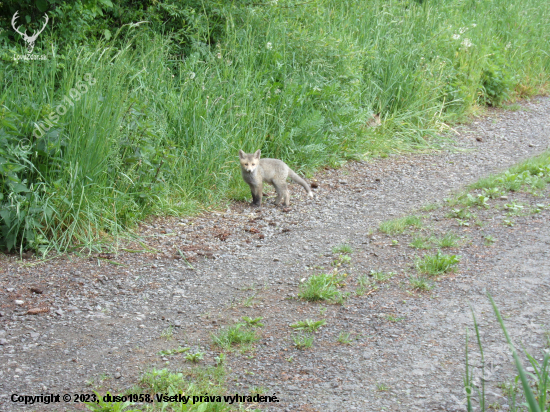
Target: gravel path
(102, 318)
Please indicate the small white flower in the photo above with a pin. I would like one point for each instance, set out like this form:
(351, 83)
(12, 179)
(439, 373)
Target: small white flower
(192, 75)
(269, 45)
(462, 30)
(456, 36)
(467, 43)
(474, 25)
(508, 45)
(219, 55)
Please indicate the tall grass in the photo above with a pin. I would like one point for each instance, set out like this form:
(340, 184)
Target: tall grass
(535, 387)
(298, 80)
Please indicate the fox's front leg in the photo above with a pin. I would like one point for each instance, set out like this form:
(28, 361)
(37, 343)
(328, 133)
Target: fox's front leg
(256, 194)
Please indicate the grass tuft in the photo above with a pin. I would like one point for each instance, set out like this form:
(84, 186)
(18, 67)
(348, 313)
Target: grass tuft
(397, 226)
(321, 287)
(238, 334)
(437, 264)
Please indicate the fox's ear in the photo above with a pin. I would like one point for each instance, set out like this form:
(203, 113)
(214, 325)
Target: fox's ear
(257, 154)
(241, 154)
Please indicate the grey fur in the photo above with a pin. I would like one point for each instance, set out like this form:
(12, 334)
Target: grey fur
(256, 171)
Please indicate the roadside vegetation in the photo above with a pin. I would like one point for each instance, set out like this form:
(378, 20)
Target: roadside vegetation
(123, 120)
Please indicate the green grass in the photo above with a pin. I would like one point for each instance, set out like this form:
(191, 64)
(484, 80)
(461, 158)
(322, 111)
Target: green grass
(299, 80)
(308, 325)
(321, 287)
(239, 334)
(364, 284)
(249, 301)
(342, 249)
(380, 276)
(394, 319)
(533, 388)
(397, 226)
(167, 333)
(420, 283)
(450, 239)
(344, 338)
(341, 260)
(194, 357)
(303, 341)
(531, 174)
(256, 322)
(430, 207)
(422, 242)
(437, 264)
(382, 387)
(170, 352)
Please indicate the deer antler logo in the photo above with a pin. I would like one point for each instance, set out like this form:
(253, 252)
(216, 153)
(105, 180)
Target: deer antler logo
(29, 39)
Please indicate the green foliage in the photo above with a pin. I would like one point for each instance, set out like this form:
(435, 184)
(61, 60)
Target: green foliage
(303, 341)
(396, 226)
(322, 287)
(194, 357)
(170, 352)
(309, 325)
(106, 406)
(422, 242)
(235, 335)
(203, 380)
(437, 264)
(533, 173)
(344, 338)
(192, 81)
(497, 80)
(253, 322)
(381, 276)
(342, 249)
(535, 387)
(420, 283)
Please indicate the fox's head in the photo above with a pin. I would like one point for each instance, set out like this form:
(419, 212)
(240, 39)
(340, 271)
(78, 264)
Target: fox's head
(249, 161)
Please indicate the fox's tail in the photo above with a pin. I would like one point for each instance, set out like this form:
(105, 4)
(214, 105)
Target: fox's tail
(300, 181)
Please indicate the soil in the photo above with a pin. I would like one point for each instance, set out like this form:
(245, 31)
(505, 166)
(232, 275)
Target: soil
(75, 324)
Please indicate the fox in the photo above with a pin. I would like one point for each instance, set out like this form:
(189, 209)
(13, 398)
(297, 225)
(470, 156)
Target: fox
(256, 171)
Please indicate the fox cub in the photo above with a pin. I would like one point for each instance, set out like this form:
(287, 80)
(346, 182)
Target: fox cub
(256, 171)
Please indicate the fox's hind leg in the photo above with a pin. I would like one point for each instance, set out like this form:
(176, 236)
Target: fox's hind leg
(282, 192)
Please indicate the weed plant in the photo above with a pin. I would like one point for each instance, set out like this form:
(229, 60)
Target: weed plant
(238, 334)
(380, 276)
(303, 341)
(309, 325)
(420, 283)
(322, 287)
(344, 338)
(396, 226)
(534, 387)
(437, 264)
(450, 239)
